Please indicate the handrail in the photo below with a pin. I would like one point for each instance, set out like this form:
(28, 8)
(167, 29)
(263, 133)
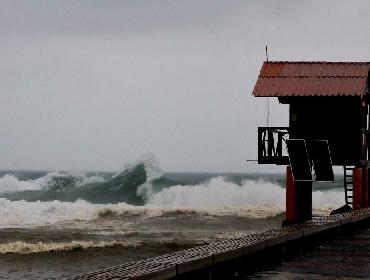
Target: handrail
(270, 145)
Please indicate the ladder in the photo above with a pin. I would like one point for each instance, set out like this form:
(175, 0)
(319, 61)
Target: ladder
(348, 184)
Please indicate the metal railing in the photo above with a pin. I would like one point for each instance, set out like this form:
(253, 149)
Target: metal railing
(270, 145)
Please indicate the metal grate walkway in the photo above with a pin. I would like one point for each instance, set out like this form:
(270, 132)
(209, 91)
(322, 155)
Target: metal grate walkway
(177, 263)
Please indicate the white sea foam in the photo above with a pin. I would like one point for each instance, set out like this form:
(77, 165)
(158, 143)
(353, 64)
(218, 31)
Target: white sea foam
(84, 180)
(254, 199)
(219, 192)
(10, 183)
(218, 196)
(29, 214)
(21, 247)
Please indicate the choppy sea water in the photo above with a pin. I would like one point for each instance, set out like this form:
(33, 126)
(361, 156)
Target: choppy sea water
(60, 224)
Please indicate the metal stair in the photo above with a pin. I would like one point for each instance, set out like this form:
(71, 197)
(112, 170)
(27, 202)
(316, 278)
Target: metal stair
(348, 184)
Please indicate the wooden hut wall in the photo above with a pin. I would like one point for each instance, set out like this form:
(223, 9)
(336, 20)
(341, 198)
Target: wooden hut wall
(336, 119)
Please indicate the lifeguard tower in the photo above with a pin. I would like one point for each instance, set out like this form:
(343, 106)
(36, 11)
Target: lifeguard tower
(328, 126)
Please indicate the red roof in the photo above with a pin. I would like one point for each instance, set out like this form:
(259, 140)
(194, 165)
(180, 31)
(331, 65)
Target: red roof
(281, 78)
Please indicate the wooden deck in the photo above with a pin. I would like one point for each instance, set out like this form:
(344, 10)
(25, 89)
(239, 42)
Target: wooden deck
(180, 263)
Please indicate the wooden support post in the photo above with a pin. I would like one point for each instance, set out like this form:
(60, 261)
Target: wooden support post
(357, 188)
(365, 187)
(298, 199)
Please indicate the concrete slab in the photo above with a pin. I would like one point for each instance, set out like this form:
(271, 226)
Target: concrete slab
(195, 264)
(255, 247)
(227, 255)
(161, 274)
(276, 240)
(293, 235)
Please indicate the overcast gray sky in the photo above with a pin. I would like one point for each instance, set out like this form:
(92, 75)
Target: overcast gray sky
(92, 85)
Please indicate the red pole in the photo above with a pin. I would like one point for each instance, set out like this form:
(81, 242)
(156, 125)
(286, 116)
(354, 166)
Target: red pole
(298, 199)
(291, 195)
(365, 187)
(357, 188)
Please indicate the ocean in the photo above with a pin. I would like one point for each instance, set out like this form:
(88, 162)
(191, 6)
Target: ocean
(60, 224)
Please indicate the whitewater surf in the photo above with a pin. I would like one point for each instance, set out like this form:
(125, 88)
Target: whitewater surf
(109, 218)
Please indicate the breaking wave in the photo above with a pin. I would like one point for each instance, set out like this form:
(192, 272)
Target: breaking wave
(267, 201)
(218, 192)
(52, 180)
(28, 214)
(25, 214)
(253, 194)
(140, 190)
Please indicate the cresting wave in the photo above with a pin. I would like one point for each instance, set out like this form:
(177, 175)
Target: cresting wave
(20, 247)
(133, 186)
(217, 197)
(250, 194)
(140, 190)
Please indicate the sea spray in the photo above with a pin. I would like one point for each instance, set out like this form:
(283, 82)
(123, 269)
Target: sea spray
(141, 190)
(218, 192)
(153, 173)
(52, 180)
(252, 194)
(228, 200)
(10, 183)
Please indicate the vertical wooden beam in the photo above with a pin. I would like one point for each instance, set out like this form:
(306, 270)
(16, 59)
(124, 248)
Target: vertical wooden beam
(357, 188)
